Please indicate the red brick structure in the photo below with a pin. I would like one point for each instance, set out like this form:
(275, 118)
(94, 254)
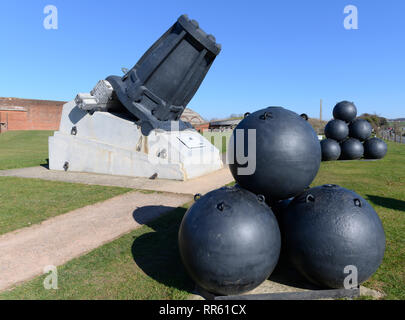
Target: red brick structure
(27, 114)
(202, 127)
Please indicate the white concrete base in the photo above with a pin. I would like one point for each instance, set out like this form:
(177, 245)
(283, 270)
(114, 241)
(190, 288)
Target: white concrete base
(109, 144)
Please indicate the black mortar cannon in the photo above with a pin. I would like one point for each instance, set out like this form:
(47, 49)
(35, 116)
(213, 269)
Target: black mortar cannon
(158, 88)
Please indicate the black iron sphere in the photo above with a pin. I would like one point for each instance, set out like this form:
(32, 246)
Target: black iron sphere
(375, 148)
(330, 150)
(279, 206)
(345, 111)
(229, 241)
(287, 158)
(329, 228)
(352, 149)
(360, 129)
(337, 130)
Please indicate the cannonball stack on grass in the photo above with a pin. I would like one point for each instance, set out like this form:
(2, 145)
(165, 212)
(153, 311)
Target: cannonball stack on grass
(348, 137)
(230, 239)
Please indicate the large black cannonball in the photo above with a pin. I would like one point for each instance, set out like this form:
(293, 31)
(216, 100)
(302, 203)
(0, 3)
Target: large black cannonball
(337, 130)
(279, 206)
(229, 241)
(360, 129)
(352, 149)
(330, 150)
(375, 148)
(345, 111)
(287, 158)
(328, 228)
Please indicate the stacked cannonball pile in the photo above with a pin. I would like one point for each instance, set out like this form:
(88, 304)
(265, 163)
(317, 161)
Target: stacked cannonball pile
(230, 239)
(348, 137)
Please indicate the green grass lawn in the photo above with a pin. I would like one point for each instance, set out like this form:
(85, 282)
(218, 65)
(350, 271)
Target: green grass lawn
(218, 139)
(20, 149)
(145, 263)
(399, 124)
(24, 202)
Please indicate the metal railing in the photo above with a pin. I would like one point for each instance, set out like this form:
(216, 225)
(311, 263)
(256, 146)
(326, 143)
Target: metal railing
(390, 136)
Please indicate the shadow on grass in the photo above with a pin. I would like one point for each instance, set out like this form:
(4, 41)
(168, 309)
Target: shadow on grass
(157, 253)
(389, 203)
(45, 165)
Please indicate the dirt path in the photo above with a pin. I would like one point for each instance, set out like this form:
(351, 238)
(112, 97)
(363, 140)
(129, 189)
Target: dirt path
(24, 253)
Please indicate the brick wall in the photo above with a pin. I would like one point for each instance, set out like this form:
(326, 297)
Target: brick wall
(26, 114)
(201, 127)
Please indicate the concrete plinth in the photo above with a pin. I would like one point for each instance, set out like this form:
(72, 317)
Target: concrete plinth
(108, 143)
(286, 284)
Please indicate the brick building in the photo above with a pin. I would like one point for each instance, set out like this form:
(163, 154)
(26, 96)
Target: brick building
(27, 114)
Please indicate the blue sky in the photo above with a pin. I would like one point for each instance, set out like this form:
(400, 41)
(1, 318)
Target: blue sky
(287, 53)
